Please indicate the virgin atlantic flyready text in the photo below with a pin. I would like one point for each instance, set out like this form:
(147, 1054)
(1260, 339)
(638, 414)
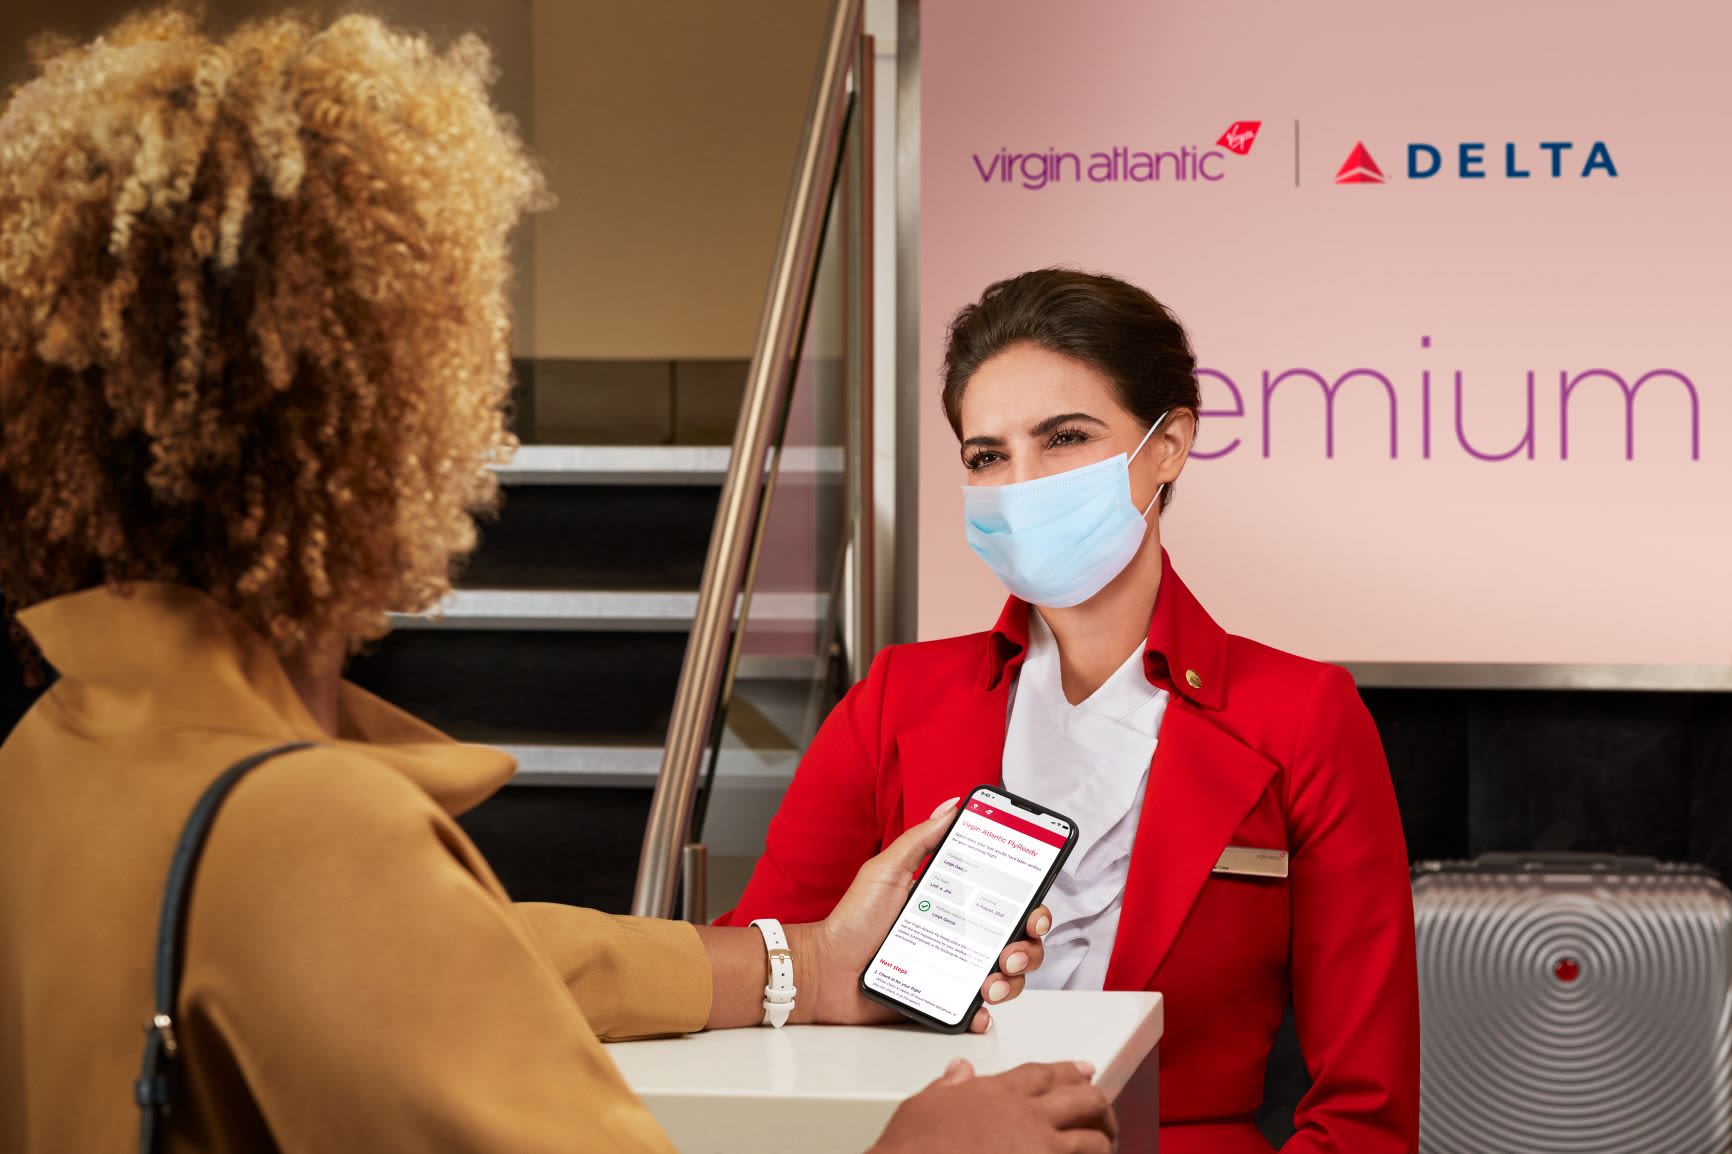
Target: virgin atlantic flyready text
(994, 835)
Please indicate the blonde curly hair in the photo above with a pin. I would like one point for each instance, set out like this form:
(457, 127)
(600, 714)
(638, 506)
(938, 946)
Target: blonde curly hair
(254, 332)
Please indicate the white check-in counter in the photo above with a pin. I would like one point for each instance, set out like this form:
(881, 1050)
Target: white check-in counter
(831, 1089)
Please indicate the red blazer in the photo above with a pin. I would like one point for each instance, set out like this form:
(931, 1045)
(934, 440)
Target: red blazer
(1259, 748)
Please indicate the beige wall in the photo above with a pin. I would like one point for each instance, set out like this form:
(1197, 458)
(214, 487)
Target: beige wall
(505, 24)
(669, 128)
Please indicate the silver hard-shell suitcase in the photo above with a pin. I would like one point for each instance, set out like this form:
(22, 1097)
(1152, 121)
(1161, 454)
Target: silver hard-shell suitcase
(1575, 1004)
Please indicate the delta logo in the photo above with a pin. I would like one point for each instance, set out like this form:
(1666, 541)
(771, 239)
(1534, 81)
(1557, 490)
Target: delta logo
(1119, 164)
(1359, 168)
(1478, 160)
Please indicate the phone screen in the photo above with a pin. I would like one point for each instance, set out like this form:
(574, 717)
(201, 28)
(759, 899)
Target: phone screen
(968, 905)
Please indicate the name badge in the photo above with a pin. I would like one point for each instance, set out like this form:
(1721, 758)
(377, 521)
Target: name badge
(1262, 863)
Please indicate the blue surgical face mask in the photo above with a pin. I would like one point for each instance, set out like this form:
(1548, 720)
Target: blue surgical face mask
(1057, 541)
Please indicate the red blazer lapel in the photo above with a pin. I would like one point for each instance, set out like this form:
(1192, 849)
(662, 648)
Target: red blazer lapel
(1202, 784)
(949, 757)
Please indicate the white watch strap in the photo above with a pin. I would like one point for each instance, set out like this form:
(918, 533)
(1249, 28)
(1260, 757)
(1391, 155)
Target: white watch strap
(779, 993)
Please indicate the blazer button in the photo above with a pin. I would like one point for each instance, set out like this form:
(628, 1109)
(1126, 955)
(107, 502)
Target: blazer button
(1191, 679)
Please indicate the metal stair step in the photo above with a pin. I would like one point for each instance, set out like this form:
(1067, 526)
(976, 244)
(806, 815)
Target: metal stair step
(651, 464)
(603, 610)
(637, 765)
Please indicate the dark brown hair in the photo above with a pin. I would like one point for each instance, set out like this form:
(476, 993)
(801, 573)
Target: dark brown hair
(1105, 322)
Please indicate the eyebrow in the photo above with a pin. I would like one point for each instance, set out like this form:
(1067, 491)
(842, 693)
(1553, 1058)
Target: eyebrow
(1039, 430)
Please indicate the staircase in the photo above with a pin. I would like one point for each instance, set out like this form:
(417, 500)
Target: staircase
(563, 641)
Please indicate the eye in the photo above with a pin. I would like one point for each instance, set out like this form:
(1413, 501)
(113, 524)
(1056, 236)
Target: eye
(1067, 437)
(980, 460)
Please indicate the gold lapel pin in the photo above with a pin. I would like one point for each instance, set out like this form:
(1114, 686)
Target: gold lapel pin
(1191, 679)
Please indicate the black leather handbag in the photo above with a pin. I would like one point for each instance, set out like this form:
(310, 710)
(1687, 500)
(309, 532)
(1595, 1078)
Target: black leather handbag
(158, 1074)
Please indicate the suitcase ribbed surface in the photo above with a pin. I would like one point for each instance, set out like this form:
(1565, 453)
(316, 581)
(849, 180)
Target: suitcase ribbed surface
(1579, 1009)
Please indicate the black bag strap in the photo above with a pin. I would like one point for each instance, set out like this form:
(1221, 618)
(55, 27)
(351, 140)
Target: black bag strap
(155, 1087)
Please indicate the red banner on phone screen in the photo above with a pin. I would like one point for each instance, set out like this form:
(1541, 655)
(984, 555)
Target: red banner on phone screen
(1011, 821)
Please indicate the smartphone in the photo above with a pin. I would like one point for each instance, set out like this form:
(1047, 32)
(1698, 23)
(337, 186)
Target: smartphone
(994, 866)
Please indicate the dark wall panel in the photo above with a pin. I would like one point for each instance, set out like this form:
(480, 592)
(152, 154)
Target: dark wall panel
(1426, 739)
(15, 695)
(550, 844)
(1605, 772)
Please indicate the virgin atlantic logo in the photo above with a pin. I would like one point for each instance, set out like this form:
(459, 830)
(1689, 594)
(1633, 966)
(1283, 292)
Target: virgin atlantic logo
(1240, 136)
(1117, 163)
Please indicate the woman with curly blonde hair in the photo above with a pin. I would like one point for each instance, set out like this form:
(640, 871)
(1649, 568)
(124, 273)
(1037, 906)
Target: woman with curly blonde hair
(253, 368)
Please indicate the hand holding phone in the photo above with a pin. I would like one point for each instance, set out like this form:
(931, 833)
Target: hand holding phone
(845, 942)
(980, 890)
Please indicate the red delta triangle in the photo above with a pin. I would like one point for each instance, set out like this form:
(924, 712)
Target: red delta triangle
(1359, 168)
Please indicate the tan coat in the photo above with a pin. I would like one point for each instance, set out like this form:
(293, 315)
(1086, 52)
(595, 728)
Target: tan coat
(356, 978)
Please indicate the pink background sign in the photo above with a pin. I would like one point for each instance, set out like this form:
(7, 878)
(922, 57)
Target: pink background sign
(1473, 411)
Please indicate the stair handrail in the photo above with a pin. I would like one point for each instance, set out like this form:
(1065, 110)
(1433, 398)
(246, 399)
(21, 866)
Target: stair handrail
(769, 382)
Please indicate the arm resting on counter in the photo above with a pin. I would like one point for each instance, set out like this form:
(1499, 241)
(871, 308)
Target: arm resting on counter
(631, 977)
(639, 977)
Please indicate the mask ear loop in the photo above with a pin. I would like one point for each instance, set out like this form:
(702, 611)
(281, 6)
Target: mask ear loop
(1162, 487)
(1153, 429)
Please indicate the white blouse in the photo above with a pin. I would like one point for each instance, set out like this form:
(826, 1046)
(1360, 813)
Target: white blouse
(1089, 762)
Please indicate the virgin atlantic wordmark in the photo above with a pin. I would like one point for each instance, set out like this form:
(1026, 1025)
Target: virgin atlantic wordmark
(1118, 164)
